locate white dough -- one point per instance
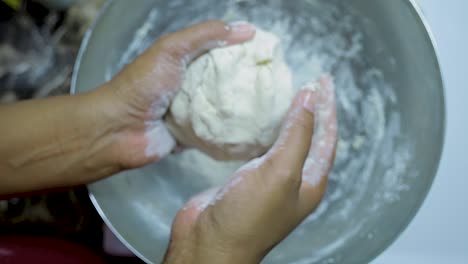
(233, 99)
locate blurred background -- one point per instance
(39, 41)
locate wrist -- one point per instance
(124, 126)
(196, 253)
(100, 118)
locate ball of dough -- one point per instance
(233, 99)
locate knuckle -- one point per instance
(269, 163)
(213, 26)
(289, 178)
(285, 176)
(300, 122)
(165, 42)
(304, 121)
(168, 46)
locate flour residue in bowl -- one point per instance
(325, 39)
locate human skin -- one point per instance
(72, 140)
(268, 197)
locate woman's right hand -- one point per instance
(269, 196)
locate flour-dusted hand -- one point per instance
(269, 196)
(86, 137)
(143, 91)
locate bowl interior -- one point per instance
(391, 119)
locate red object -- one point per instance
(20, 250)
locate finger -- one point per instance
(322, 151)
(287, 156)
(188, 215)
(192, 41)
(201, 201)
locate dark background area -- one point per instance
(38, 46)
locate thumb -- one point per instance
(292, 147)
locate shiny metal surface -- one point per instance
(139, 205)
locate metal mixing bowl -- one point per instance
(391, 116)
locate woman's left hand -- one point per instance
(86, 137)
(139, 96)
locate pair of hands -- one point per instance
(265, 199)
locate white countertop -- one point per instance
(439, 233)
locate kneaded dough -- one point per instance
(233, 99)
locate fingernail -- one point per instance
(241, 27)
(309, 102)
(311, 86)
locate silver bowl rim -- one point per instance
(415, 7)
